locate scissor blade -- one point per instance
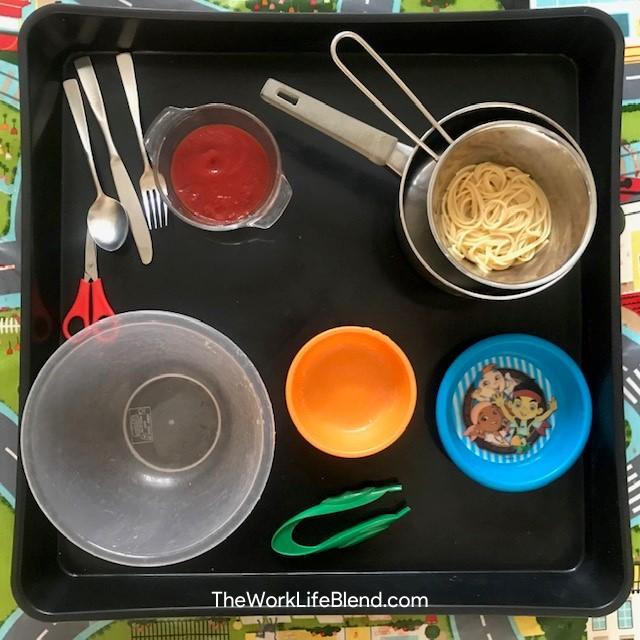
(90, 259)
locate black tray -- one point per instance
(334, 259)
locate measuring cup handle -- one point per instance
(372, 143)
(277, 206)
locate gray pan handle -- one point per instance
(379, 147)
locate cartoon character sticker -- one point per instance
(487, 423)
(493, 382)
(506, 411)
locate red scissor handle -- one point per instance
(89, 306)
(100, 307)
(79, 309)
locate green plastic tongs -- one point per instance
(283, 542)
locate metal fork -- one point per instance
(155, 209)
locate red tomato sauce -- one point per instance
(221, 173)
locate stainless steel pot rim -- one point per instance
(521, 293)
(591, 216)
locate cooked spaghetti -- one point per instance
(495, 216)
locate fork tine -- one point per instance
(152, 202)
(164, 204)
(164, 213)
(160, 207)
(147, 208)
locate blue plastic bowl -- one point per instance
(496, 417)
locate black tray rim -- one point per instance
(234, 16)
(515, 15)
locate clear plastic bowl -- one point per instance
(169, 129)
(147, 438)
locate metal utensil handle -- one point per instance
(124, 187)
(74, 98)
(378, 103)
(128, 77)
(90, 258)
(372, 143)
(89, 82)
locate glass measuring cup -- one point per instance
(173, 124)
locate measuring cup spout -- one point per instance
(378, 146)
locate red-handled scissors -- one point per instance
(91, 303)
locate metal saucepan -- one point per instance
(528, 140)
(559, 170)
(416, 166)
(564, 176)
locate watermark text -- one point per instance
(316, 600)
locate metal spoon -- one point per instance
(107, 221)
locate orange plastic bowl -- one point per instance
(351, 391)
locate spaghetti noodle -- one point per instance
(495, 216)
